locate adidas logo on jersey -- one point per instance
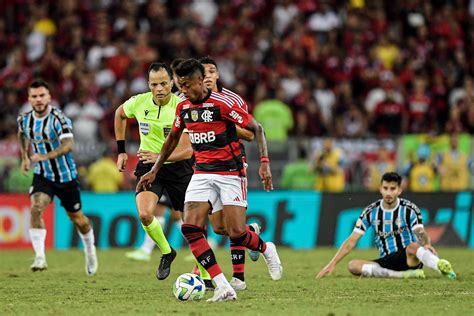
(236, 199)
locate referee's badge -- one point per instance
(144, 128)
(194, 115)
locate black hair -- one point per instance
(37, 83)
(157, 66)
(208, 61)
(189, 67)
(391, 177)
(176, 62)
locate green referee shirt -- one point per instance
(154, 121)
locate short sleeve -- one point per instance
(234, 113)
(178, 124)
(129, 107)
(20, 124)
(62, 125)
(363, 222)
(416, 220)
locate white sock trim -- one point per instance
(38, 238)
(427, 258)
(88, 239)
(221, 280)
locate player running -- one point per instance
(403, 244)
(210, 119)
(211, 81)
(49, 132)
(155, 111)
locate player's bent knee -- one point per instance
(36, 211)
(220, 230)
(146, 218)
(412, 248)
(354, 267)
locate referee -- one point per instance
(155, 112)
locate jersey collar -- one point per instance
(392, 209)
(208, 95)
(43, 117)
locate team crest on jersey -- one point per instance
(194, 115)
(144, 128)
(206, 116)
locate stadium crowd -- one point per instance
(307, 68)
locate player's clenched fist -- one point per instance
(122, 162)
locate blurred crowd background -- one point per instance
(345, 89)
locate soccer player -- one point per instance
(403, 244)
(155, 111)
(210, 119)
(211, 81)
(49, 132)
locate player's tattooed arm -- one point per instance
(422, 237)
(25, 160)
(264, 171)
(24, 145)
(67, 145)
(259, 132)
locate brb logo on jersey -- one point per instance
(236, 116)
(200, 138)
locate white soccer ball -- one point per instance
(189, 287)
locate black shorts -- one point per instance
(396, 261)
(165, 199)
(173, 177)
(67, 192)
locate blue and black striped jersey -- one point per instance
(45, 135)
(393, 228)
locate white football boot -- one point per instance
(223, 293)
(91, 261)
(39, 264)
(273, 261)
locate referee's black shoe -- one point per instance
(164, 268)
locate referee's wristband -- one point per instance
(264, 159)
(121, 147)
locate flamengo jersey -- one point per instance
(393, 228)
(236, 98)
(45, 135)
(211, 127)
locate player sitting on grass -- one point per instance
(403, 244)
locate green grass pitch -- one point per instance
(125, 287)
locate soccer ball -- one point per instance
(189, 287)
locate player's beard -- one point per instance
(40, 110)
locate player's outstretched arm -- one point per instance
(245, 134)
(264, 171)
(343, 251)
(120, 126)
(67, 145)
(170, 144)
(184, 150)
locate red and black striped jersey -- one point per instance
(211, 128)
(236, 98)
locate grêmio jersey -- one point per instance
(211, 126)
(45, 135)
(154, 121)
(394, 228)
